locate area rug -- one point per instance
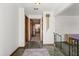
(36, 52)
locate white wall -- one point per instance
(48, 37)
(67, 24)
(21, 27)
(8, 28)
(35, 16)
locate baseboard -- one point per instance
(16, 50)
(48, 44)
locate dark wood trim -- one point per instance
(16, 50)
(26, 29)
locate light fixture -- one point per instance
(35, 8)
(37, 3)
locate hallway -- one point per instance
(45, 51)
(27, 29)
(35, 42)
(35, 48)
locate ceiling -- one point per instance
(54, 7)
(73, 10)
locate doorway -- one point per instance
(35, 29)
(35, 32)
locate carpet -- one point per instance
(36, 52)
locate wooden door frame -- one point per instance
(26, 30)
(29, 38)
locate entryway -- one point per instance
(35, 41)
(34, 45)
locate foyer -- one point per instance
(39, 29)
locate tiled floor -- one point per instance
(53, 51)
(37, 44)
(36, 52)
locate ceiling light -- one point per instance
(35, 8)
(37, 3)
